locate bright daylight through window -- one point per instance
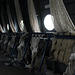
(48, 23)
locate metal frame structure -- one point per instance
(46, 36)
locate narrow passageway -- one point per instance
(10, 70)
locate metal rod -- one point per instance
(43, 56)
(25, 49)
(57, 35)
